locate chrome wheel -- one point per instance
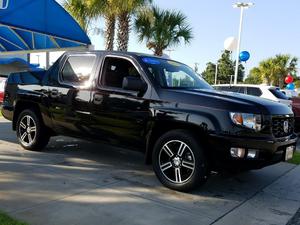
(27, 130)
(177, 161)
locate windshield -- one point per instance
(278, 94)
(171, 74)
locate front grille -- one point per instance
(278, 126)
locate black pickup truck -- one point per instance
(158, 106)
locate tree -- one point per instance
(209, 73)
(108, 9)
(225, 70)
(273, 71)
(126, 9)
(162, 29)
(254, 77)
(80, 11)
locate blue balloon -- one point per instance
(244, 56)
(291, 86)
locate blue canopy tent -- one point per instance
(28, 26)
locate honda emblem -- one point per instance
(286, 126)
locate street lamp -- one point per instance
(216, 73)
(242, 6)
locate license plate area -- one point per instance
(289, 153)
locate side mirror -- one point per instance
(131, 83)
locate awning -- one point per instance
(38, 25)
(10, 65)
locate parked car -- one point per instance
(158, 106)
(2, 85)
(289, 93)
(263, 91)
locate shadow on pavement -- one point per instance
(77, 182)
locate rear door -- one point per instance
(120, 116)
(69, 93)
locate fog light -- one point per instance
(252, 154)
(237, 152)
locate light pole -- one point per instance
(216, 74)
(242, 6)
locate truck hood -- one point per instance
(227, 101)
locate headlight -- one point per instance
(252, 121)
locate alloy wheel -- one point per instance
(177, 161)
(27, 130)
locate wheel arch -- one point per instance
(22, 105)
(161, 127)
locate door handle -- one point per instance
(98, 99)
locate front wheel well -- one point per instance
(160, 128)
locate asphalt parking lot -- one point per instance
(76, 182)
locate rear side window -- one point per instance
(254, 91)
(278, 94)
(231, 89)
(223, 88)
(78, 69)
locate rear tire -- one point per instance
(179, 161)
(31, 131)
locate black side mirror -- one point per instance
(131, 83)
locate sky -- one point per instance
(270, 27)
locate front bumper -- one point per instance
(270, 151)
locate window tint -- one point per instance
(254, 91)
(229, 89)
(223, 88)
(78, 69)
(278, 94)
(115, 70)
(242, 90)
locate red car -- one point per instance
(296, 110)
(2, 85)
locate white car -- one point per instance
(263, 91)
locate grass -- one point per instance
(6, 220)
(296, 159)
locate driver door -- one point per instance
(119, 116)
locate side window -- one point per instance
(223, 88)
(234, 89)
(78, 69)
(242, 90)
(115, 70)
(254, 91)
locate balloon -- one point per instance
(289, 79)
(244, 56)
(230, 44)
(291, 86)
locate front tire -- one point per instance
(179, 161)
(31, 132)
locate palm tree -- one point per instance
(162, 29)
(107, 9)
(274, 70)
(126, 9)
(80, 11)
